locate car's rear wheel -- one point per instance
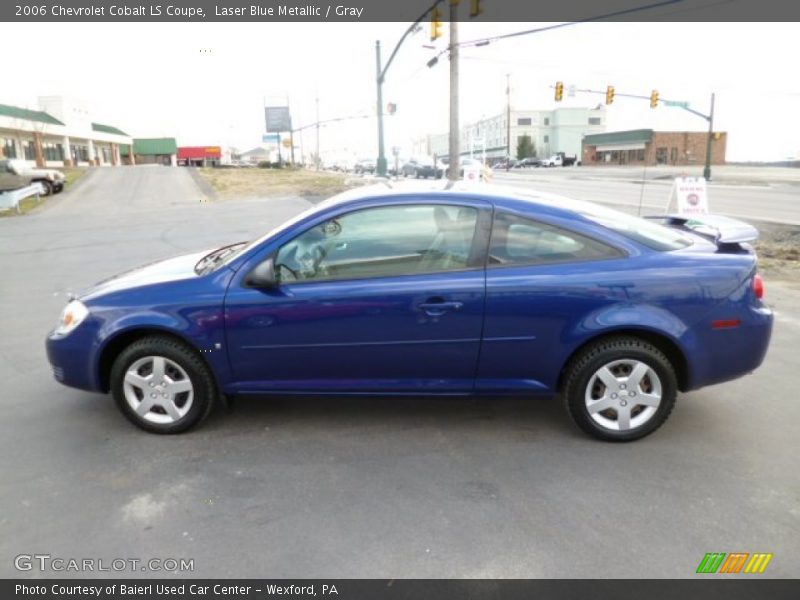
(162, 385)
(620, 389)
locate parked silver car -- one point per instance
(15, 174)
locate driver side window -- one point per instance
(381, 242)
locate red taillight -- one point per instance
(758, 286)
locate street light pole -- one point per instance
(380, 167)
(707, 169)
(381, 164)
(454, 150)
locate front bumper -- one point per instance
(71, 358)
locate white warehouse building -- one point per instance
(551, 131)
(60, 133)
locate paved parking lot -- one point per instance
(368, 487)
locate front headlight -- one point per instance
(73, 315)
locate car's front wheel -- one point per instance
(162, 385)
(48, 187)
(620, 389)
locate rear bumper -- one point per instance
(727, 353)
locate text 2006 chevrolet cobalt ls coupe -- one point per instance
(440, 291)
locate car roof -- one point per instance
(497, 194)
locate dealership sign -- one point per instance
(278, 119)
(691, 196)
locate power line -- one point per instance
(488, 40)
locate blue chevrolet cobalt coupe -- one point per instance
(431, 290)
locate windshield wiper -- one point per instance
(210, 260)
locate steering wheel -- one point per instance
(319, 255)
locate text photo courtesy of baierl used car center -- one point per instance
(433, 299)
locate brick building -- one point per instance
(648, 147)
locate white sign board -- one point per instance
(278, 119)
(691, 195)
(472, 172)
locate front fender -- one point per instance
(201, 329)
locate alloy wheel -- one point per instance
(623, 395)
(158, 390)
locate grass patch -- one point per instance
(71, 175)
(270, 183)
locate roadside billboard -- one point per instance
(278, 119)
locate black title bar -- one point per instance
(398, 10)
(711, 588)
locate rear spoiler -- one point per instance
(717, 228)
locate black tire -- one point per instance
(48, 187)
(583, 367)
(204, 390)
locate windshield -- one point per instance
(640, 230)
(241, 247)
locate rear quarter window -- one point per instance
(521, 241)
(648, 233)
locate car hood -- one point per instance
(50, 173)
(172, 269)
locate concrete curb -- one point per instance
(205, 187)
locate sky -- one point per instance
(206, 83)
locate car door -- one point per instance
(378, 299)
(9, 178)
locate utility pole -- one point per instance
(454, 150)
(381, 164)
(317, 159)
(707, 169)
(508, 121)
(291, 131)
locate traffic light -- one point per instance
(436, 24)
(654, 99)
(610, 94)
(391, 108)
(559, 91)
(475, 8)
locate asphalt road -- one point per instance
(365, 487)
(626, 188)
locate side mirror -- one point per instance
(263, 276)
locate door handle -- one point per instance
(439, 308)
